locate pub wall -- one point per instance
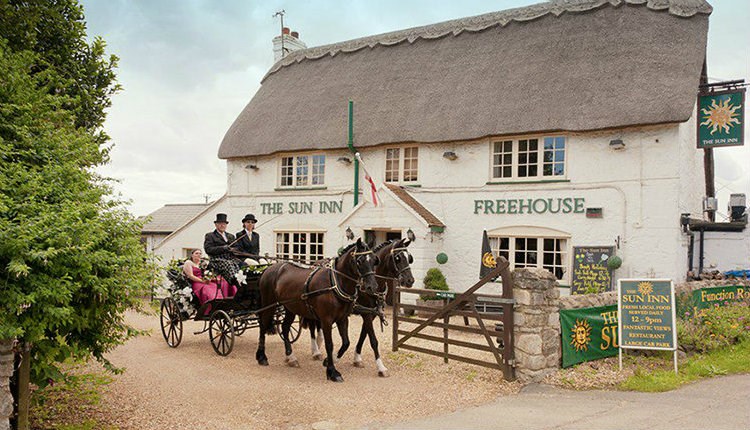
(641, 190)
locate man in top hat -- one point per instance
(217, 242)
(248, 241)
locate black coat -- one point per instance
(248, 245)
(216, 246)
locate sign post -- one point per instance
(647, 315)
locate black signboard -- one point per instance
(590, 271)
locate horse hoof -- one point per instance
(359, 364)
(317, 357)
(263, 362)
(383, 374)
(292, 363)
(336, 379)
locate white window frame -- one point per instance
(539, 235)
(293, 238)
(303, 181)
(401, 169)
(540, 163)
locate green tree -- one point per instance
(71, 262)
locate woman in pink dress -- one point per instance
(203, 288)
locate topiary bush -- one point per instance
(434, 280)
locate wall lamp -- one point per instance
(344, 160)
(450, 155)
(252, 167)
(617, 144)
(349, 233)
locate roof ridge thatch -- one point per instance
(680, 8)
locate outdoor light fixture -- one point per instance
(450, 155)
(344, 160)
(252, 166)
(410, 235)
(617, 144)
(349, 233)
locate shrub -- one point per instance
(434, 280)
(715, 327)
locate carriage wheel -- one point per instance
(294, 329)
(171, 323)
(221, 333)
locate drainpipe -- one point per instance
(350, 144)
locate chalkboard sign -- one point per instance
(590, 271)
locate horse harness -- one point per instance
(334, 288)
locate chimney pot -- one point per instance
(295, 35)
(285, 30)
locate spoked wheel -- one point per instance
(171, 324)
(294, 329)
(221, 333)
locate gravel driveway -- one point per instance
(192, 387)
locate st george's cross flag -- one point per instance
(370, 191)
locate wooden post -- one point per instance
(446, 320)
(24, 381)
(396, 309)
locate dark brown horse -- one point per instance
(393, 269)
(324, 294)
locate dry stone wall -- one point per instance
(536, 324)
(537, 344)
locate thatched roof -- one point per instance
(571, 65)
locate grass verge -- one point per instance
(730, 360)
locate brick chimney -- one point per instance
(291, 43)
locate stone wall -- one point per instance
(536, 324)
(537, 346)
(6, 371)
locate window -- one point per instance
(303, 170)
(543, 252)
(300, 245)
(529, 158)
(402, 164)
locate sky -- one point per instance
(189, 67)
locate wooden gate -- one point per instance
(497, 311)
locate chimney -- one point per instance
(291, 44)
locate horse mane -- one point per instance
(383, 245)
(347, 248)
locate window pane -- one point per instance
(391, 164)
(301, 177)
(411, 160)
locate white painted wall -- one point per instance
(642, 190)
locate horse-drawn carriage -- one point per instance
(223, 318)
(323, 294)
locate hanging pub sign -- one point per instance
(721, 118)
(590, 271)
(646, 313)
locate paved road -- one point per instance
(717, 403)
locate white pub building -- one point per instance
(552, 126)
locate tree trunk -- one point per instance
(24, 392)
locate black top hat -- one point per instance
(221, 218)
(249, 217)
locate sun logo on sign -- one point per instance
(721, 116)
(488, 260)
(581, 335)
(645, 288)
